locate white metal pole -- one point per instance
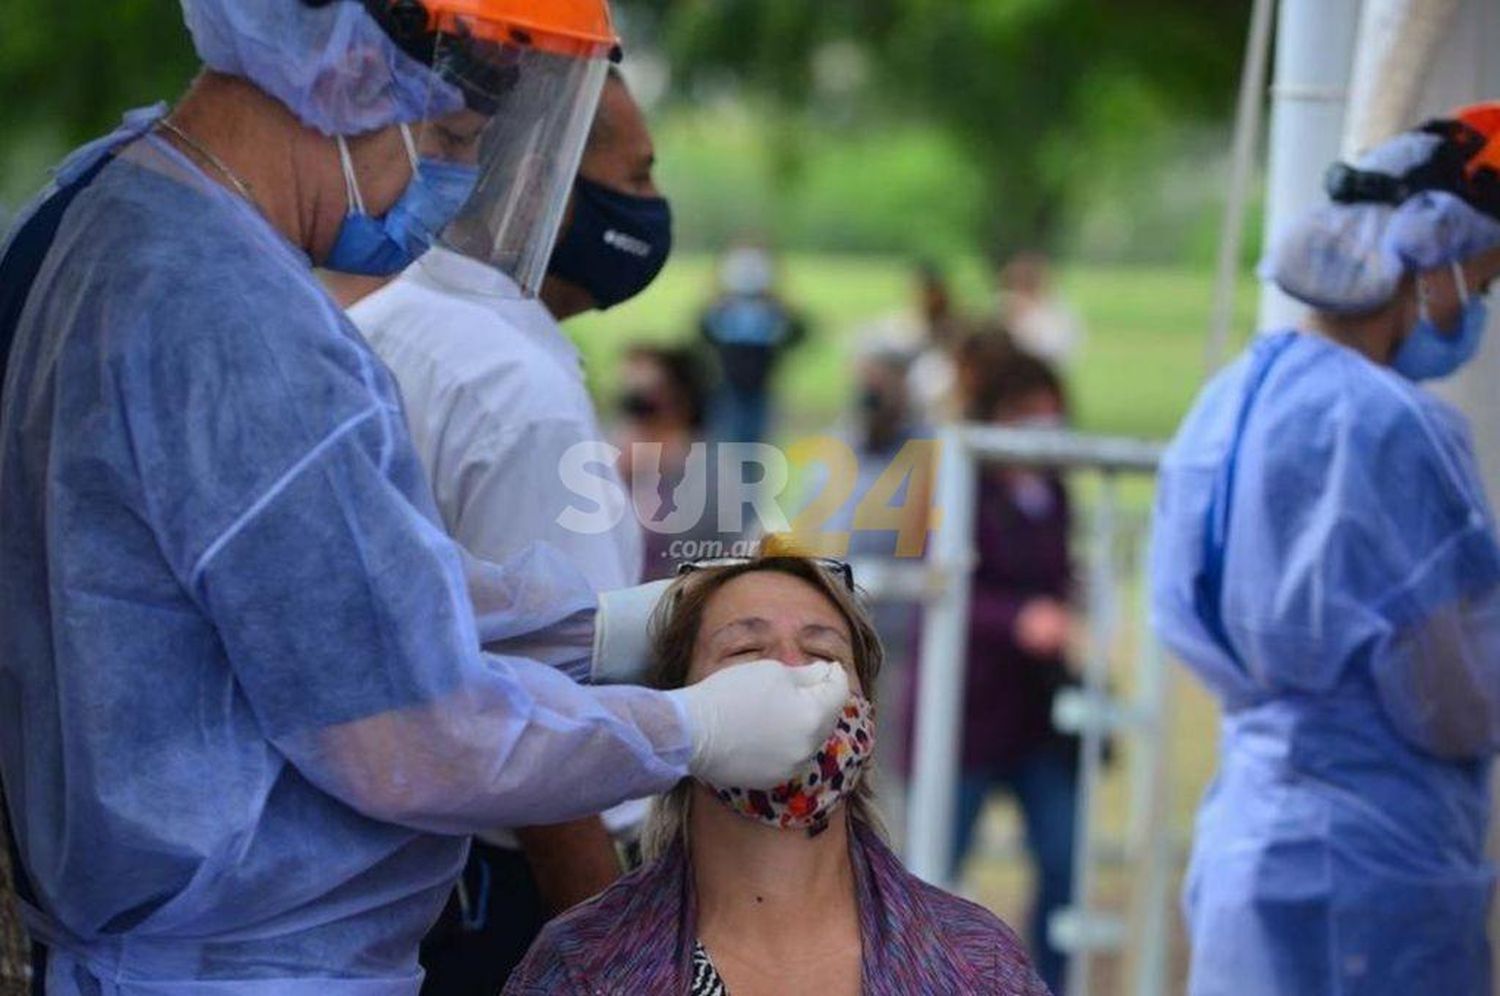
(1153, 836)
(1101, 605)
(1246, 131)
(1314, 54)
(942, 667)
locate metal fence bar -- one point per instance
(1152, 837)
(940, 678)
(1092, 712)
(1087, 930)
(1060, 448)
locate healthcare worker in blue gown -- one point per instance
(1324, 559)
(245, 719)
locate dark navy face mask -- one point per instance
(616, 244)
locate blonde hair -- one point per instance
(674, 634)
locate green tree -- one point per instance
(72, 66)
(1044, 95)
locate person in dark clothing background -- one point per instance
(662, 416)
(747, 327)
(1020, 628)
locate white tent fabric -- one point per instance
(1392, 62)
(1416, 59)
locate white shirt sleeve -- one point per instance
(513, 486)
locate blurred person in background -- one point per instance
(1021, 625)
(1039, 319)
(931, 377)
(983, 344)
(747, 328)
(788, 891)
(938, 313)
(666, 460)
(883, 424)
(494, 397)
(1325, 560)
(879, 430)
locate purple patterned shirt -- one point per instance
(638, 936)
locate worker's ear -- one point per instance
(1483, 270)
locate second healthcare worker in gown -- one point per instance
(1325, 560)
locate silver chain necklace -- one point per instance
(242, 186)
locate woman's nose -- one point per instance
(794, 657)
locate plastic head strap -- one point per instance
(1347, 185)
(1461, 162)
(356, 202)
(480, 68)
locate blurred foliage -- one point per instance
(921, 126)
(852, 193)
(907, 188)
(1042, 95)
(72, 66)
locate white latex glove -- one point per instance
(622, 649)
(754, 724)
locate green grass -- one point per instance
(1137, 375)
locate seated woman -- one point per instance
(790, 890)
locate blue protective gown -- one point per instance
(1324, 559)
(244, 713)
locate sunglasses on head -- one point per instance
(838, 568)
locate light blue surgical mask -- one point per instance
(433, 198)
(1428, 353)
(381, 246)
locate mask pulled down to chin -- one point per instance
(807, 799)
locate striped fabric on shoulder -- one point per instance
(706, 978)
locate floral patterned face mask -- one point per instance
(805, 801)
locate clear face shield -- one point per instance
(528, 111)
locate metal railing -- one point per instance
(942, 585)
